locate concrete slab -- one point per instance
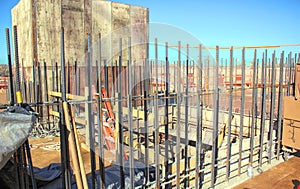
(284, 175)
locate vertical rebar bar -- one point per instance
(33, 181)
(135, 86)
(114, 75)
(53, 78)
(269, 78)
(99, 119)
(166, 118)
(215, 122)
(120, 151)
(272, 109)
(225, 70)
(146, 85)
(20, 167)
(77, 81)
(130, 122)
(174, 77)
(138, 120)
(46, 92)
(63, 131)
(11, 85)
(19, 102)
(178, 127)
(33, 82)
(141, 83)
(24, 81)
(90, 113)
(207, 87)
(198, 182)
(242, 112)
(56, 84)
(229, 116)
(263, 106)
(253, 119)
(20, 150)
(25, 166)
(68, 72)
(156, 121)
(293, 63)
(38, 88)
(30, 91)
(186, 118)
(280, 103)
(106, 77)
(17, 65)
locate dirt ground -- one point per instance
(3, 96)
(45, 151)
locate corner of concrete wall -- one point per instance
(21, 17)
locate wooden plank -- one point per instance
(77, 120)
(290, 106)
(136, 113)
(69, 96)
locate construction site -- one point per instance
(96, 99)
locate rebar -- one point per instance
(229, 117)
(156, 123)
(17, 64)
(100, 119)
(63, 132)
(215, 122)
(186, 118)
(270, 143)
(199, 162)
(199, 106)
(146, 129)
(120, 151)
(280, 105)
(253, 117)
(11, 85)
(242, 112)
(166, 113)
(130, 121)
(178, 126)
(263, 106)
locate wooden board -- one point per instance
(47, 150)
(291, 122)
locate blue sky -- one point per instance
(213, 22)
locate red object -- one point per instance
(109, 126)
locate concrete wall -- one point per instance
(73, 19)
(48, 28)
(22, 17)
(115, 21)
(79, 18)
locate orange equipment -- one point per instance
(109, 126)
